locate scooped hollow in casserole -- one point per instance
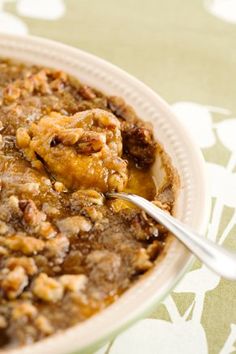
(65, 251)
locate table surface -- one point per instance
(185, 50)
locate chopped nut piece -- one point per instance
(87, 197)
(22, 138)
(32, 215)
(32, 188)
(27, 263)
(43, 324)
(46, 181)
(121, 109)
(74, 224)
(142, 261)
(47, 289)
(139, 144)
(46, 230)
(40, 82)
(51, 211)
(13, 203)
(116, 182)
(11, 93)
(70, 136)
(25, 244)
(14, 282)
(3, 228)
(59, 187)
(24, 309)
(86, 92)
(73, 282)
(93, 213)
(57, 247)
(91, 142)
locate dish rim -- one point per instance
(39, 50)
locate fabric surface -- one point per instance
(185, 50)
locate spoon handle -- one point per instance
(217, 258)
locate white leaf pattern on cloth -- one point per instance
(198, 120)
(196, 117)
(224, 9)
(12, 24)
(199, 280)
(152, 336)
(42, 9)
(225, 191)
(226, 131)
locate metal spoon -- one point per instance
(217, 258)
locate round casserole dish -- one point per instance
(192, 206)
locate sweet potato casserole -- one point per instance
(66, 251)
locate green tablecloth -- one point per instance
(186, 51)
